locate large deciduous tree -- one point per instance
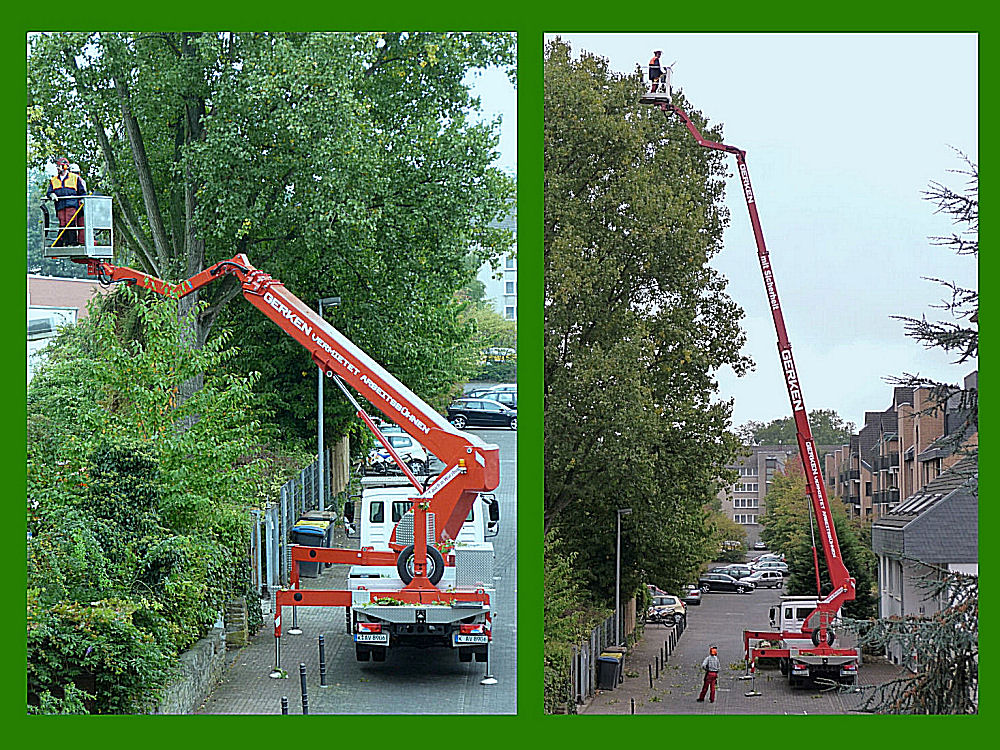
(636, 324)
(344, 164)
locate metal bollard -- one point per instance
(657, 657)
(276, 672)
(633, 705)
(322, 662)
(663, 656)
(305, 694)
(284, 705)
(651, 675)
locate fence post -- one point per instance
(255, 543)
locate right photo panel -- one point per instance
(733, 524)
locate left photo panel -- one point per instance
(271, 373)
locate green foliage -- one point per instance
(343, 164)
(786, 530)
(97, 648)
(568, 616)
(828, 428)
(636, 324)
(138, 501)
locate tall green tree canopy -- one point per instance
(636, 324)
(344, 164)
(828, 428)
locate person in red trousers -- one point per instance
(711, 667)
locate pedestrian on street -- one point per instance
(711, 667)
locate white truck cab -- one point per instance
(384, 504)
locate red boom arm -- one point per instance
(473, 466)
(843, 583)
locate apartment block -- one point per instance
(746, 500)
(900, 450)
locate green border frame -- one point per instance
(530, 22)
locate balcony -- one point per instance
(890, 495)
(887, 462)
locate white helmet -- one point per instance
(74, 168)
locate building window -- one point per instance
(746, 487)
(745, 518)
(508, 287)
(509, 263)
(508, 312)
(746, 502)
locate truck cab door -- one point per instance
(493, 518)
(773, 616)
(350, 530)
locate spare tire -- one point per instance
(435, 564)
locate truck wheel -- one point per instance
(465, 655)
(460, 422)
(481, 654)
(378, 653)
(830, 637)
(783, 667)
(363, 653)
(435, 564)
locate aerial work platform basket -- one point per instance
(656, 91)
(95, 229)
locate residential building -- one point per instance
(52, 303)
(931, 533)
(899, 450)
(501, 285)
(746, 501)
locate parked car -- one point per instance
(723, 582)
(416, 458)
(692, 594)
(771, 565)
(507, 398)
(736, 571)
(768, 556)
(481, 412)
(759, 545)
(766, 579)
(666, 608)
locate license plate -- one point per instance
(382, 638)
(460, 639)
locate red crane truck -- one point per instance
(803, 640)
(419, 612)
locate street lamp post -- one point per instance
(329, 302)
(618, 575)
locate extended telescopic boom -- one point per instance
(843, 583)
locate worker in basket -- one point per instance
(65, 187)
(655, 71)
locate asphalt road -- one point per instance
(719, 620)
(410, 681)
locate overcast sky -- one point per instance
(498, 98)
(842, 133)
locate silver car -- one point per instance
(765, 579)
